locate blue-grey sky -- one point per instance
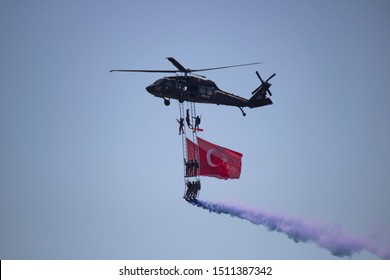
(91, 164)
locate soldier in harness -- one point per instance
(181, 126)
(188, 119)
(197, 122)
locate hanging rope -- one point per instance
(191, 166)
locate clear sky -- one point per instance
(91, 164)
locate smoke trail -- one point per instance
(337, 243)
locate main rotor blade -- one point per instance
(223, 67)
(273, 75)
(147, 71)
(184, 70)
(178, 65)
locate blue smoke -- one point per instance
(336, 242)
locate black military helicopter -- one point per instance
(196, 88)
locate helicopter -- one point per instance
(197, 88)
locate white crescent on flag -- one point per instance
(208, 157)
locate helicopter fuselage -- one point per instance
(197, 89)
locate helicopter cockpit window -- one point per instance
(205, 90)
(159, 82)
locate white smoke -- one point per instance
(336, 242)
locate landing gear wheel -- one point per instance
(242, 111)
(167, 102)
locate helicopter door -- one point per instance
(193, 90)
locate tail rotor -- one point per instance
(264, 84)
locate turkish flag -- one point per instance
(215, 161)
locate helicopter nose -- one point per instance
(150, 88)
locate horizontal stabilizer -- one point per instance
(254, 103)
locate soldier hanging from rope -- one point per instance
(191, 165)
(196, 189)
(189, 191)
(197, 122)
(188, 167)
(188, 120)
(181, 125)
(195, 167)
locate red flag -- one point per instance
(214, 160)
